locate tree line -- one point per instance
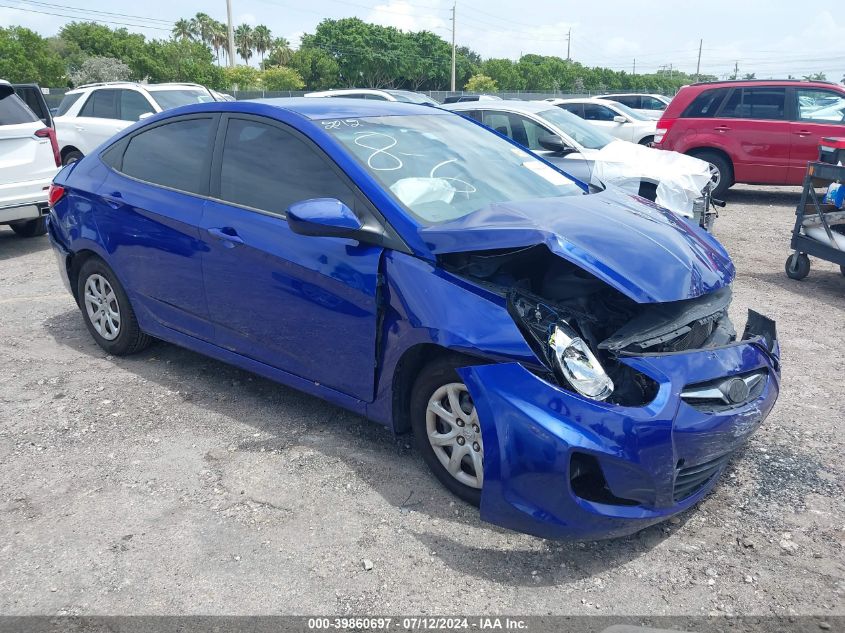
(339, 53)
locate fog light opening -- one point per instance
(588, 482)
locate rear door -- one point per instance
(819, 112)
(752, 123)
(99, 119)
(149, 208)
(23, 155)
(602, 116)
(306, 305)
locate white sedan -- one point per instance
(612, 117)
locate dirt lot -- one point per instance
(171, 483)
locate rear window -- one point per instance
(14, 111)
(67, 102)
(755, 103)
(705, 105)
(171, 155)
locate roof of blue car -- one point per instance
(339, 108)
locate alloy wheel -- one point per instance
(715, 176)
(454, 433)
(101, 307)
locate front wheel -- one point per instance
(797, 267)
(447, 430)
(107, 312)
(721, 172)
(31, 228)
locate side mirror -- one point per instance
(554, 143)
(145, 115)
(620, 119)
(323, 217)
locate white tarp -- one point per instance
(680, 178)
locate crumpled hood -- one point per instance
(644, 251)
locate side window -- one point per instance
(133, 104)
(375, 97)
(267, 168)
(473, 114)
(498, 121)
(68, 101)
(705, 105)
(171, 155)
(575, 108)
(756, 103)
(632, 101)
(820, 106)
(14, 111)
(101, 104)
(650, 103)
(598, 112)
(526, 132)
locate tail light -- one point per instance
(56, 193)
(50, 133)
(663, 127)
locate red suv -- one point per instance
(756, 132)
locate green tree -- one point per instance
(202, 26)
(219, 39)
(816, 77)
(178, 60)
(481, 83)
(748, 76)
(282, 78)
(280, 54)
(183, 30)
(242, 77)
(81, 40)
(504, 72)
(25, 56)
(317, 68)
(262, 40)
(243, 41)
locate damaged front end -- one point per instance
(633, 409)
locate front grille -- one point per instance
(690, 479)
(726, 393)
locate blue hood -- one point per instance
(644, 251)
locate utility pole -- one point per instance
(635, 67)
(736, 69)
(698, 64)
(569, 45)
(454, 4)
(231, 33)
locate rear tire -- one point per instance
(797, 270)
(31, 228)
(72, 157)
(723, 173)
(106, 310)
(648, 140)
(439, 384)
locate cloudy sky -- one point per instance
(766, 37)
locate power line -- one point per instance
(84, 18)
(80, 9)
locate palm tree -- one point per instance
(219, 38)
(262, 39)
(183, 30)
(280, 52)
(243, 41)
(202, 25)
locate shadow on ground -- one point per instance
(385, 463)
(11, 245)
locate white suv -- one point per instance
(91, 114)
(29, 158)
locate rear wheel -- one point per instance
(107, 312)
(31, 228)
(797, 267)
(72, 157)
(721, 172)
(648, 140)
(446, 428)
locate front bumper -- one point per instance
(531, 430)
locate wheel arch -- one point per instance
(74, 265)
(67, 149)
(700, 149)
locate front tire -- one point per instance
(721, 172)
(31, 228)
(446, 428)
(106, 310)
(797, 269)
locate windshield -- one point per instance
(586, 135)
(632, 114)
(185, 96)
(443, 167)
(406, 96)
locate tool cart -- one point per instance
(820, 219)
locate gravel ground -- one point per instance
(171, 483)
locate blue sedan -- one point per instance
(562, 354)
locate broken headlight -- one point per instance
(578, 365)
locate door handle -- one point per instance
(79, 128)
(722, 128)
(803, 133)
(229, 236)
(114, 200)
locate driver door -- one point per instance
(303, 304)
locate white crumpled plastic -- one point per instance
(680, 179)
(412, 191)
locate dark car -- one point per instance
(755, 132)
(33, 97)
(563, 356)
